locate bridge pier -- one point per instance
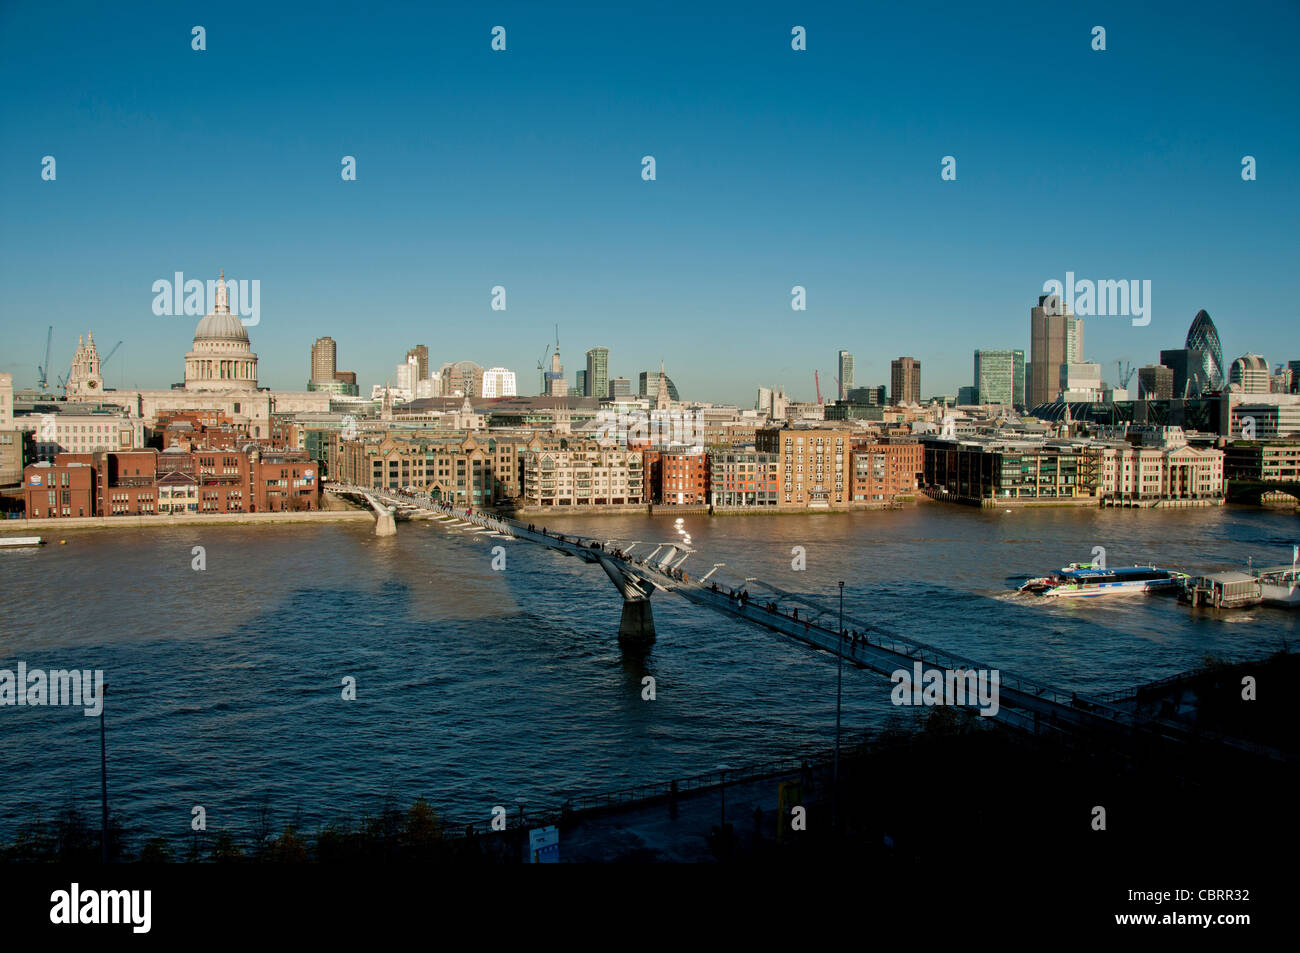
(637, 627)
(385, 522)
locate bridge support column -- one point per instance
(637, 627)
(385, 524)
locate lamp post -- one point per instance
(839, 686)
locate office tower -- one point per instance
(597, 384)
(324, 356)
(556, 385)
(499, 382)
(1249, 373)
(905, 381)
(406, 376)
(619, 387)
(764, 401)
(580, 383)
(846, 374)
(1155, 382)
(999, 377)
(1188, 366)
(649, 385)
(1203, 336)
(421, 355)
(1080, 382)
(874, 396)
(1055, 338)
(967, 395)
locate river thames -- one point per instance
(477, 687)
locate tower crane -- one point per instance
(43, 370)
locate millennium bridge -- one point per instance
(1023, 703)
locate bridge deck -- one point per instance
(1023, 702)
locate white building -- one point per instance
(1081, 382)
(499, 382)
(82, 431)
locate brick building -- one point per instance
(814, 465)
(884, 469)
(681, 477)
(744, 478)
(171, 482)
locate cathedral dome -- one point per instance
(221, 326)
(222, 357)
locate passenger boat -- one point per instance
(1088, 580)
(21, 541)
(1279, 585)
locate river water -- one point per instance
(477, 687)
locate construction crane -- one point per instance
(110, 354)
(817, 384)
(1125, 373)
(42, 370)
(541, 367)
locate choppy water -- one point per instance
(477, 688)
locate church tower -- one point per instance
(85, 379)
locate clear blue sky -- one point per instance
(775, 168)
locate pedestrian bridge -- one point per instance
(1023, 702)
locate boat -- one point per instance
(21, 541)
(1279, 585)
(1087, 580)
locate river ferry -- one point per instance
(1086, 581)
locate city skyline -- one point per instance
(783, 173)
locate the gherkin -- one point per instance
(1203, 336)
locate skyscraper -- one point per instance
(421, 355)
(649, 385)
(1055, 338)
(324, 361)
(555, 384)
(580, 383)
(1250, 373)
(1000, 377)
(905, 381)
(1188, 366)
(846, 373)
(1155, 382)
(1203, 336)
(597, 373)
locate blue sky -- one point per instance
(775, 168)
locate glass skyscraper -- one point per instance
(1000, 377)
(1203, 336)
(597, 384)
